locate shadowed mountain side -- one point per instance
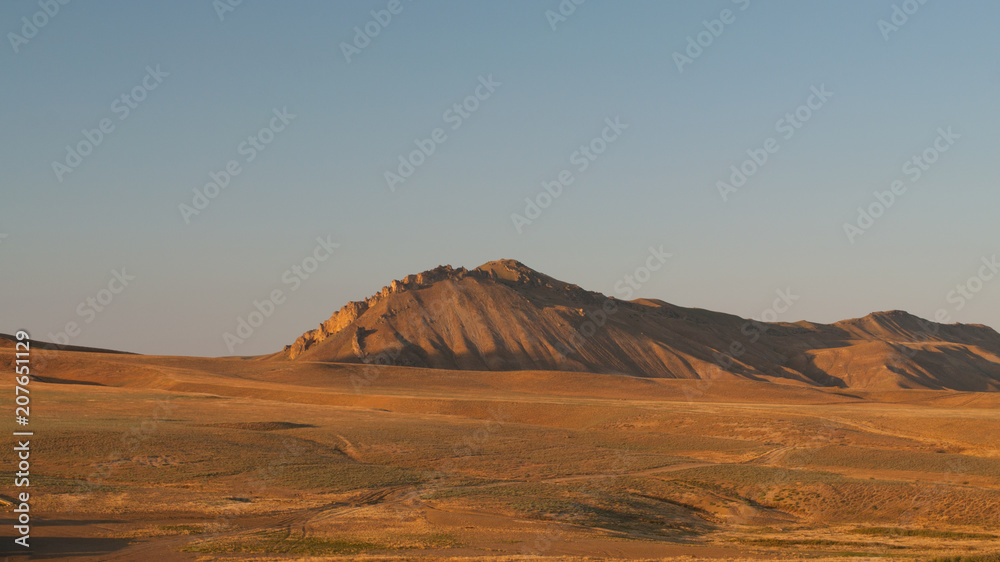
(504, 316)
(900, 326)
(9, 341)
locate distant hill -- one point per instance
(505, 316)
(9, 341)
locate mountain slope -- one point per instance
(505, 316)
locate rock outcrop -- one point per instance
(504, 315)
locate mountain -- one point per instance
(505, 316)
(9, 341)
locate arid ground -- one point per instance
(168, 458)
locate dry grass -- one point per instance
(433, 465)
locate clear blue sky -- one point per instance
(323, 174)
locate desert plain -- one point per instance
(174, 458)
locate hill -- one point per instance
(505, 316)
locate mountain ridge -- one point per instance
(504, 316)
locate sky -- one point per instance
(167, 169)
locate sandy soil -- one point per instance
(169, 458)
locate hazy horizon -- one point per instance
(624, 81)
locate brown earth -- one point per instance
(501, 414)
(174, 458)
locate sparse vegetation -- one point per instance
(432, 469)
(897, 532)
(277, 542)
(973, 558)
(183, 529)
(812, 542)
